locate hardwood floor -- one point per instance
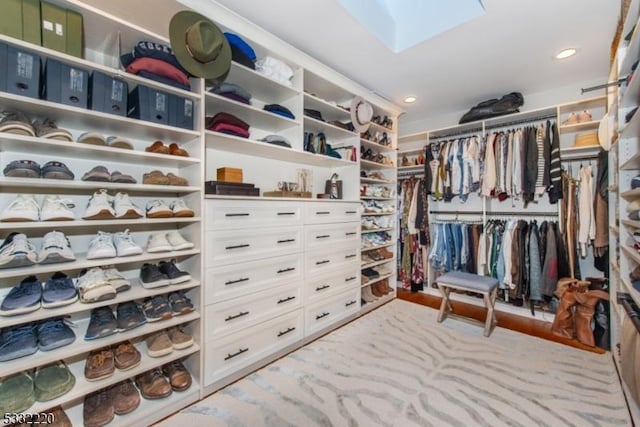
(536, 328)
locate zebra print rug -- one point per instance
(398, 367)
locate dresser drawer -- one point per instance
(319, 236)
(333, 282)
(330, 212)
(229, 316)
(224, 356)
(321, 314)
(235, 246)
(240, 214)
(329, 259)
(236, 280)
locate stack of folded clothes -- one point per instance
(232, 91)
(156, 62)
(275, 69)
(276, 140)
(241, 52)
(279, 110)
(229, 124)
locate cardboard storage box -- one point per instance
(107, 94)
(66, 84)
(229, 174)
(11, 18)
(19, 71)
(31, 22)
(149, 104)
(181, 112)
(54, 23)
(74, 43)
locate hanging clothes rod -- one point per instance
(523, 121)
(632, 310)
(527, 214)
(446, 136)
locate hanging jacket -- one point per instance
(530, 166)
(550, 266)
(535, 269)
(546, 179)
(555, 167)
(490, 174)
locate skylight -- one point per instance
(400, 24)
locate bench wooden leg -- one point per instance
(445, 306)
(489, 302)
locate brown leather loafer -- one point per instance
(153, 385)
(99, 365)
(125, 397)
(98, 408)
(157, 147)
(155, 178)
(177, 180)
(126, 356)
(175, 150)
(178, 375)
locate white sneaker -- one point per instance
(17, 251)
(158, 243)
(115, 278)
(99, 206)
(54, 208)
(23, 208)
(55, 248)
(178, 243)
(93, 286)
(125, 246)
(158, 209)
(180, 209)
(124, 207)
(101, 246)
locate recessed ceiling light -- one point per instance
(566, 53)
(410, 99)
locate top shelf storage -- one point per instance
(260, 86)
(329, 111)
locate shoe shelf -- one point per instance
(377, 263)
(632, 52)
(36, 184)
(382, 128)
(149, 411)
(81, 346)
(631, 194)
(376, 198)
(375, 165)
(81, 262)
(137, 292)
(631, 290)
(132, 79)
(370, 306)
(631, 94)
(331, 132)
(375, 230)
(375, 146)
(83, 387)
(412, 151)
(96, 121)
(259, 85)
(235, 144)
(375, 181)
(630, 223)
(631, 129)
(44, 146)
(257, 117)
(631, 253)
(570, 153)
(329, 111)
(58, 225)
(378, 213)
(279, 199)
(410, 168)
(632, 164)
(373, 248)
(376, 280)
(577, 127)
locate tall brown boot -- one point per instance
(584, 314)
(375, 290)
(563, 322)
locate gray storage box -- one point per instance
(149, 104)
(66, 84)
(20, 72)
(107, 94)
(181, 112)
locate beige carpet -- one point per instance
(398, 367)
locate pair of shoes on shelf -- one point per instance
(102, 174)
(25, 207)
(18, 251)
(156, 177)
(24, 340)
(583, 117)
(31, 169)
(173, 149)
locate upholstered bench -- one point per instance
(487, 286)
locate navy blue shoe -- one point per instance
(18, 341)
(130, 316)
(101, 324)
(54, 333)
(23, 298)
(59, 290)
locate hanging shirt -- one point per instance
(516, 167)
(489, 181)
(509, 173)
(540, 136)
(587, 225)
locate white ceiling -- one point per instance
(509, 48)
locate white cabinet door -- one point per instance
(330, 259)
(320, 286)
(331, 212)
(324, 313)
(319, 236)
(241, 214)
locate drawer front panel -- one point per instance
(232, 315)
(240, 214)
(319, 236)
(227, 355)
(331, 212)
(236, 280)
(328, 260)
(334, 282)
(322, 314)
(236, 246)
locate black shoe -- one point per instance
(129, 316)
(370, 273)
(152, 277)
(174, 274)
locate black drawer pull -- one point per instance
(323, 213)
(238, 353)
(231, 282)
(324, 236)
(350, 212)
(289, 330)
(320, 316)
(286, 241)
(350, 256)
(237, 246)
(323, 262)
(286, 213)
(350, 303)
(286, 270)
(351, 233)
(237, 214)
(236, 316)
(287, 299)
(322, 288)
(348, 279)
